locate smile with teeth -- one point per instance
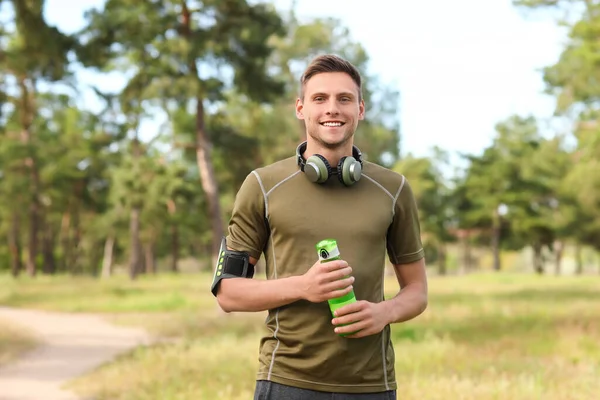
(332, 124)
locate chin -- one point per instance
(333, 141)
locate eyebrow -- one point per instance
(349, 94)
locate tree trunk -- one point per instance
(136, 263)
(538, 262)
(559, 248)
(49, 266)
(172, 208)
(65, 229)
(108, 256)
(94, 257)
(74, 261)
(467, 259)
(442, 266)
(14, 246)
(26, 119)
(150, 264)
(203, 151)
(209, 182)
(578, 259)
(70, 232)
(135, 246)
(496, 241)
(174, 248)
(33, 238)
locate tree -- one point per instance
(434, 201)
(500, 197)
(34, 52)
(182, 50)
(575, 82)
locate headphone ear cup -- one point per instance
(317, 168)
(340, 169)
(349, 171)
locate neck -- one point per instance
(333, 155)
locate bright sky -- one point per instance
(461, 66)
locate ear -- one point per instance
(361, 110)
(299, 108)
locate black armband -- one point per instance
(231, 264)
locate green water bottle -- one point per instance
(328, 251)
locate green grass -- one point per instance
(15, 340)
(117, 295)
(487, 336)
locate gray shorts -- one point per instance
(266, 390)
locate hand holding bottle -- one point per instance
(326, 281)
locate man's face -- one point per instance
(331, 108)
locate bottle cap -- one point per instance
(327, 249)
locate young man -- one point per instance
(282, 211)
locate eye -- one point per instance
(319, 98)
(345, 99)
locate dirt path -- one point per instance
(71, 345)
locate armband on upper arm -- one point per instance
(231, 264)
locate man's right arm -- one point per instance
(320, 283)
(242, 294)
(248, 230)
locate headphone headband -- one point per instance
(356, 153)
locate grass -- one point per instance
(487, 336)
(118, 295)
(15, 340)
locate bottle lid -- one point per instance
(327, 249)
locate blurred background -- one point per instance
(126, 128)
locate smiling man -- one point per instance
(326, 190)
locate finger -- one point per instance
(350, 308)
(339, 292)
(351, 329)
(340, 284)
(340, 273)
(349, 318)
(334, 265)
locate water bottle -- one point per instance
(328, 251)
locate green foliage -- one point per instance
(510, 184)
(221, 78)
(37, 49)
(574, 80)
(433, 195)
(176, 48)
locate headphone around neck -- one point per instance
(318, 170)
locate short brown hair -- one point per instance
(330, 63)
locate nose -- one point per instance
(332, 108)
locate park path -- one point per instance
(70, 345)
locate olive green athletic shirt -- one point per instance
(374, 217)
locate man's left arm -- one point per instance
(411, 300)
(366, 318)
(405, 251)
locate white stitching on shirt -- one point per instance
(266, 196)
(262, 188)
(394, 200)
(282, 181)
(379, 184)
